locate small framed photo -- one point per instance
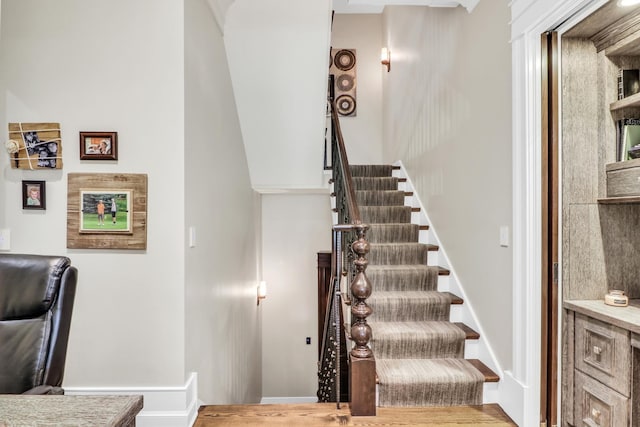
(98, 145)
(34, 195)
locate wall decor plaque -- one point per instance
(106, 211)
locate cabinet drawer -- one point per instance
(598, 405)
(623, 178)
(603, 351)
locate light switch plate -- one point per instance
(192, 237)
(504, 236)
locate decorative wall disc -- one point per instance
(346, 105)
(345, 82)
(344, 59)
(343, 69)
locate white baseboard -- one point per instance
(163, 406)
(512, 396)
(303, 399)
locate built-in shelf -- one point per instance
(629, 101)
(624, 317)
(619, 200)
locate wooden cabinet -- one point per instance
(598, 405)
(623, 179)
(605, 371)
(602, 373)
(603, 352)
(600, 220)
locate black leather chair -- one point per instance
(36, 301)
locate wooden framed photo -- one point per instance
(34, 195)
(106, 211)
(98, 145)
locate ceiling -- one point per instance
(376, 6)
(220, 7)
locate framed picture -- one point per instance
(34, 195)
(98, 145)
(105, 211)
(35, 146)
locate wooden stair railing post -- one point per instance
(362, 372)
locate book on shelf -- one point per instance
(628, 82)
(628, 146)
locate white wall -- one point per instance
(447, 115)
(363, 133)
(117, 65)
(278, 54)
(295, 228)
(223, 334)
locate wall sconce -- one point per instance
(385, 58)
(262, 291)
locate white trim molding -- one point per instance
(163, 406)
(468, 4)
(530, 18)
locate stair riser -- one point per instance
(415, 311)
(398, 254)
(380, 198)
(371, 170)
(375, 184)
(399, 347)
(385, 214)
(393, 233)
(385, 280)
(431, 395)
(433, 382)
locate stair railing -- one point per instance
(349, 252)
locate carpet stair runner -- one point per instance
(419, 352)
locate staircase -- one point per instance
(419, 352)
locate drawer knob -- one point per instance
(596, 415)
(597, 351)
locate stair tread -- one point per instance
(470, 333)
(413, 295)
(391, 306)
(421, 328)
(398, 224)
(399, 267)
(489, 375)
(417, 295)
(430, 246)
(455, 299)
(428, 382)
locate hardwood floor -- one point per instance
(326, 414)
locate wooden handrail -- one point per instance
(348, 180)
